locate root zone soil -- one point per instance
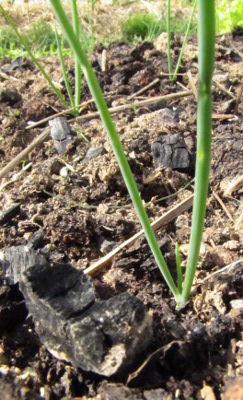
(195, 353)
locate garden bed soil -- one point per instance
(196, 352)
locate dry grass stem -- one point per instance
(158, 223)
(234, 185)
(12, 164)
(223, 206)
(144, 89)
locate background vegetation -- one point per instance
(129, 21)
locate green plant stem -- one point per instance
(64, 73)
(206, 42)
(116, 144)
(168, 41)
(77, 66)
(178, 268)
(22, 41)
(185, 40)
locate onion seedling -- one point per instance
(74, 101)
(206, 60)
(173, 75)
(116, 144)
(77, 66)
(34, 59)
(206, 45)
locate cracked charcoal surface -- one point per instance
(9, 213)
(119, 329)
(93, 152)
(170, 151)
(17, 259)
(14, 64)
(102, 337)
(61, 133)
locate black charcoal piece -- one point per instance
(110, 335)
(102, 337)
(62, 291)
(170, 151)
(14, 64)
(53, 295)
(10, 96)
(230, 53)
(17, 259)
(9, 213)
(61, 133)
(35, 239)
(93, 152)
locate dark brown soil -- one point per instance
(196, 353)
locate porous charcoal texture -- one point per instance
(170, 151)
(93, 152)
(18, 259)
(111, 334)
(61, 133)
(102, 337)
(9, 213)
(53, 295)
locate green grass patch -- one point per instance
(40, 38)
(9, 43)
(144, 26)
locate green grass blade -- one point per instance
(185, 40)
(178, 268)
(77, 66)
(168, 40)
(206, 41)
(64, 73)
(22, 41)
(116, 144)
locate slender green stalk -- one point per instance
(64, 73)
(168, 41)
(77, 66)
(178, 268)
(185, 40)
(23, 42)
(206, 41)
(116, 144)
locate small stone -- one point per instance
(237, 304)
(106, 246)
(232, 245)
(228, 106)
(93, 152)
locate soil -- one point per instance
(196, 352)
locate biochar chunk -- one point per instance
(9, 213)
(16, 260)
(61, 134)
(170, 151)
(99, 336)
